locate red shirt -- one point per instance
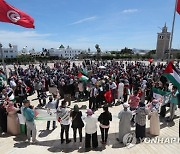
(134, 101)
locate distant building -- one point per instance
(11, 52)
(163, 39)
(68, 52)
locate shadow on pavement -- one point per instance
(44, 133)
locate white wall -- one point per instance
(10, 52)
(66, 53)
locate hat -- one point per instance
(89, 112)
(125, 105)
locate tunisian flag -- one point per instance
(178, 6)
(12, 15)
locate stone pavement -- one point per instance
(49, 141)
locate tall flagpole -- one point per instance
(2, 58)
(172, 32)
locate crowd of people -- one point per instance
(116, 83)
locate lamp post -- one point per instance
(2, 57)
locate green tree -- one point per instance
(61, 46)
(98, 49)
(127, 51)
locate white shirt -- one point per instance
(93, 80)
(51, 105)
(64, 114)
(113, 85)
(121, 87)
(91, 124)
(12, 83)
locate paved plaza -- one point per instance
(49, 141)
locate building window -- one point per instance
(11, 56)
(161, 37)
(5, 51)
(11, 51)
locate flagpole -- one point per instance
(172, 32)
(3, 63)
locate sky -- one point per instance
(113, 24)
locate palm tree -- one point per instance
(98, 51)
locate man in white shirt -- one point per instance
(113, 87)
(51, 105)
(120, 91)
(92, 100)
(12, 83)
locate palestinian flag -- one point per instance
(45, 114)
(158, 93)
(172, 74)
(82, 77)
(2, 75)
(84, 71)
(22, 123)
(11, 96)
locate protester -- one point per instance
(30, 124)
(116, 80)
(63, 115)
(3, 117)
(51, 105)
(91, 130)
(120, 91)
(104, 120)
(140, 120)
(113, 86)
(77, 122)
(13, 126)
(124, 122)
(154, 118)
(134, 103)
(173, 102)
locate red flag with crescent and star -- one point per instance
(12, 15)
(178, 7)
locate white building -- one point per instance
(65, 52)
(11, 52)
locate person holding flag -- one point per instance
(29, 116)
(173, 102)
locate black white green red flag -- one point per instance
(172, 74)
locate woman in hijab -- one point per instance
(13, 126)
(154, 118)
(91, 130)
(77, 122)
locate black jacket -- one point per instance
(76, 119)
(105, 118)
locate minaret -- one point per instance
(162, 43)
